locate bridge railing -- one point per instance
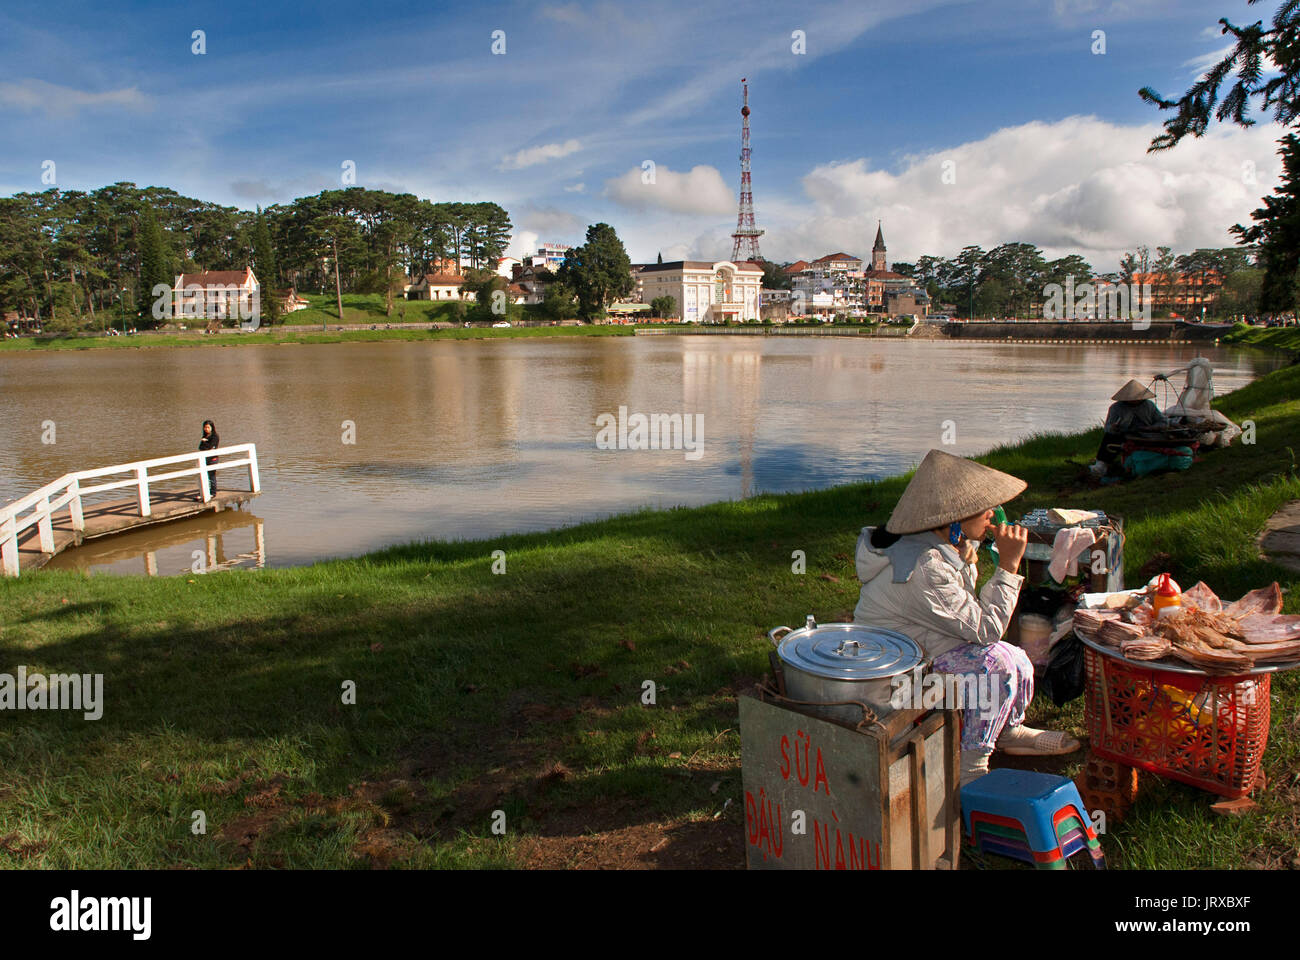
(68, 492)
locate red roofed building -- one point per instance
(216, 295)
(437, 286)
(845, 263)
(1185, 293)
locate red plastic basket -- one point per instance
(1209, 732)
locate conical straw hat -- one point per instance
(1133, 391)
(947, 488)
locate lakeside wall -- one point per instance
(1159, 330)
(1074, 331)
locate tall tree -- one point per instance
(1266, 64)
(962, 275)
(1165, 279)
(1267, 68)
(155, 262)
(266, 268)
(599, 271)
(774, 277)
(1276, 233)
(558, 302)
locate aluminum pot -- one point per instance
(843, 662)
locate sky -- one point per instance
(952, 122)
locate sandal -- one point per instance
(1023, 741)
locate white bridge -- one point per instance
(36, 527)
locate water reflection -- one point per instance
(474, 439)
(217, 541)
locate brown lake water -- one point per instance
(478, 438)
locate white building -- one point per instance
(437, 286)
(506, 267)
(548, 256)
(818, 291)
(706, 292)
(845, 263)
(216, 295)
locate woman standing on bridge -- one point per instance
(209, 441)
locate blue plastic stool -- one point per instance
(1033, 799)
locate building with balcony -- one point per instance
(216, 295)
(844, 263)
(706, 292)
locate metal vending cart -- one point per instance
(825, 792)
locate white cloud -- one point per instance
(569, 13)
(555, 223)
(701, 190)
(1077, 185)
(1206, 60)
(522, 243)
(1073, 9)
(575, 188)
(531, 156)
(54, 99)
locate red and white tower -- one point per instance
(746, 235)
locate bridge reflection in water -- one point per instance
(207, 544)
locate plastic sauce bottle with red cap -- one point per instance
(1167, 596)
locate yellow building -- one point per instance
(706, 292)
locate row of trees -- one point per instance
(1009, 280)
(77, 255)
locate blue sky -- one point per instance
(1048, 138)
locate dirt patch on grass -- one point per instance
(570, 842)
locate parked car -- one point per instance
(501, 323)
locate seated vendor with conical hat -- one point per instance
(918, 577)
(1134, 409)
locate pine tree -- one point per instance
(1277, 234)
(599, 271)
(1266, 63)
(155, 262)
(661, 258)
(264, 265)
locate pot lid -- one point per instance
(850, 651)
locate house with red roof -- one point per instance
(845, 263)
(216, 295)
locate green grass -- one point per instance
(1274, 338)
(369, 308)
(223, 691)
(307, 335)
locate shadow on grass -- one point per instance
(70, 610)
(478, 685)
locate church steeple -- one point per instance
(878, 250)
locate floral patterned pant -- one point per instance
(1005, 677)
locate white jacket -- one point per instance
(919, 587)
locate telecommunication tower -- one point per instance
(746, 235)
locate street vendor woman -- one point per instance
(1134, 409)
(918, 577)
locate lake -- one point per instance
(476, 438)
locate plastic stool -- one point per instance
(1035, 813)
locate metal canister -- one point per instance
(831, 663)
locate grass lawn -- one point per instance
(1274, 338)
(369, 308)
(520, 692)
(290, 334)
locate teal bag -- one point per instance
(1142, 462)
